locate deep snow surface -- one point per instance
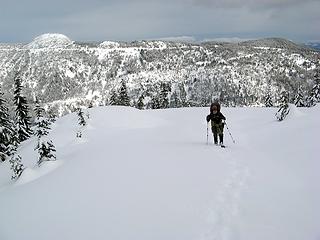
(150, 175)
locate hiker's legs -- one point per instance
(215, 134)
(220, 132)
(221, 138)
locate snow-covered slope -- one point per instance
(150, 175)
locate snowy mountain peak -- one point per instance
(109, 44)
(50, 40)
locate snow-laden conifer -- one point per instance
(114, 98)
(314, 96)
(82, 121)
(268, 98)
(16, 164)
(22, 112)
(123, 95)
(45, 146)
(299, 98)
(164, 92)
(284, 106)
(6, 129)
(140, 103)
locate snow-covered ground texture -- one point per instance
(150, 175)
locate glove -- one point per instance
(208, 118)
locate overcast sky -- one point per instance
(127, 20)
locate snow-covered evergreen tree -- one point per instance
(163, 98)
(16, 164)
(299, 98)
(6, 129)
(81, 121)
(155, 102)
(140, 104)
(123, 95)
(114, 98)
(42, 124)
(81, 118)
(22, 112)
(268, 99)
(314, 96)
(46, 151)
(284, 106)
(45, 147)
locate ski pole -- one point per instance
(207, 133)
(230, 133)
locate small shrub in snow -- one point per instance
(81, 118)
(46, 151)
(16, 166)
(82, 121)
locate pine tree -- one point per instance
(42, 124)
(81, 121)
(163, 98)
(46, 151)
(268, 99)
(22, 112)
(6, 129)
(314, 96)
(114, 98)
(298, 98)
(284, 106)
(123, 95)
(45, 147)
(16, 164)
(81, 118)
(140, 103)
(155, 103)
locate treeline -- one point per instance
(168, 95)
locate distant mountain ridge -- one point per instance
(64, 73)
(314, 45)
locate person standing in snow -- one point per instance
(217, 122)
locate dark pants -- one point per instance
(217, 129)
